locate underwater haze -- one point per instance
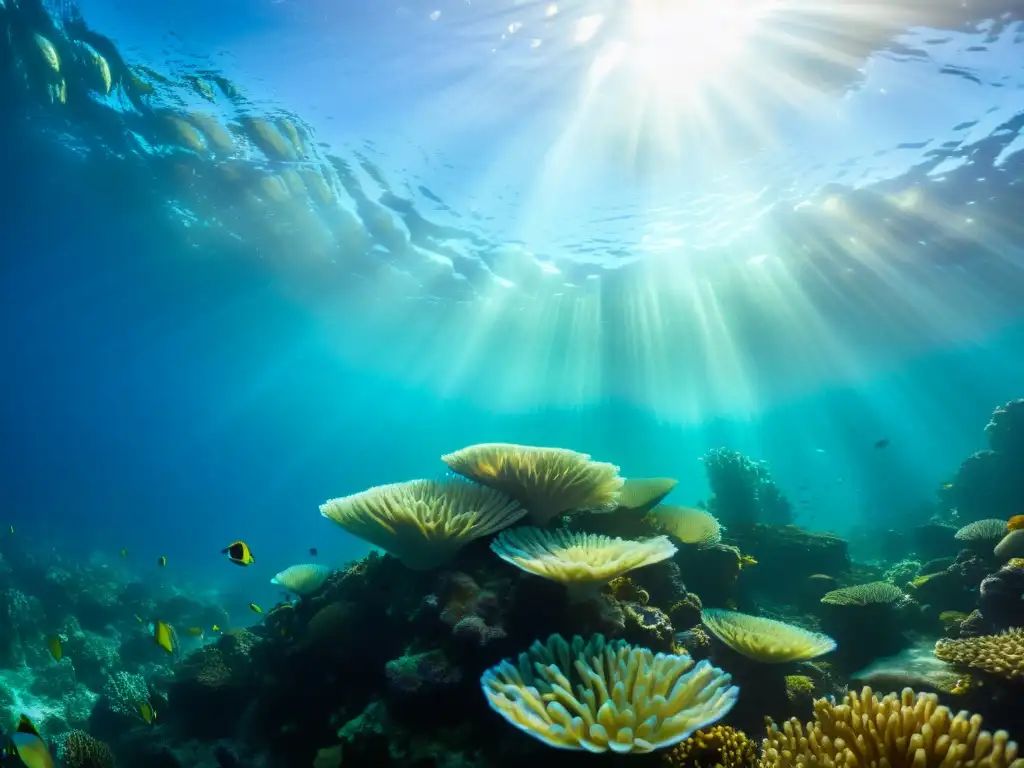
(260, 254)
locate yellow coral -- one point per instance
(423, 522)
(584, 562)
(638, 495)
(720, 746)
(765, 640)
(798, 686)
(874, 593)
(625, 589)
(603, 696)
(905, 731)
(547, 481)
(689, 525)
(1001, 655)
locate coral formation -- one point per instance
(874, 593)
(423, 522)
(743, 492)
(77, 749)
(987, 530)
(1000, 655)
(765, 640)
(547, 481)
(688, 525)
(900, 731)
(720, 746)
(640, 495)
(603, 696)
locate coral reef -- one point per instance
(743, 492)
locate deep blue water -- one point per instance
(171, 393)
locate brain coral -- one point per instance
(905, 731)
(1001, 655)
(547, 481)
(584, 562)
(874, 593)
(603, 696)
(765, 640)
(423, 522)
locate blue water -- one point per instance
(796, 268)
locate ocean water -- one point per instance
(268, 253)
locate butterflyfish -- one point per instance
(164, 636)
(238, 553)
(53, 643)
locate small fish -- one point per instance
(195, 631)
(138, 618)
(883, 443)
(163, 636)
(124, 552)
(313, 551)
(238, 553)
(53, 643)
(161, 561)
(28, 746)
(255, 608)
(146, 712)
(215, 628)
(947, 486)
(12, 529)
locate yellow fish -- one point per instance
(147, 713)
(12, 529)
(195, 631)
(238, 553)
(947, 486)
(256, 608)
(163, 636)
(124, 552)
(161, 561)
(137, 618)
(216, 628)
(28, 746)
(53, 643)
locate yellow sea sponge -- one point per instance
(603, 696)
(584, 562)
(547, 481)
(423, 522)
(765, 640)
(897, 731)
(1001, 655)
(720, 746)
(640, 494)
(689, 525)
(873, 593)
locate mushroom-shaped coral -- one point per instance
(721, 746)
(897, 731)
(584, 562)
(873, 593)
(641, 494)
(989, 529)
(547, 481)
(1001, 655)
(765, 640)
(423, 522)
(690, 526)
(603, 696)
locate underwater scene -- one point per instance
(477, 383)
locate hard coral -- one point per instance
(1005, 429)
(77, 749)
(720, 746)
(875, 593)
(603, 696)
(743, 492)
(1000, 655)
(905, 731)
(765, 640)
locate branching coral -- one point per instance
(547, 481)
(873, 593)
(720, 746)
(765, 640)
(905, 731)
(423, 522)
(1001, 655)
(989, 529)
(690, 526)
(603, 696)
(584, 562)
(77, 749)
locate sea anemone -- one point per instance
(690, 526)
(897, 731)
(1001, 655)
(765, 640)
(603, 696)
(547, 481)
(423, 522)
(584, 562)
